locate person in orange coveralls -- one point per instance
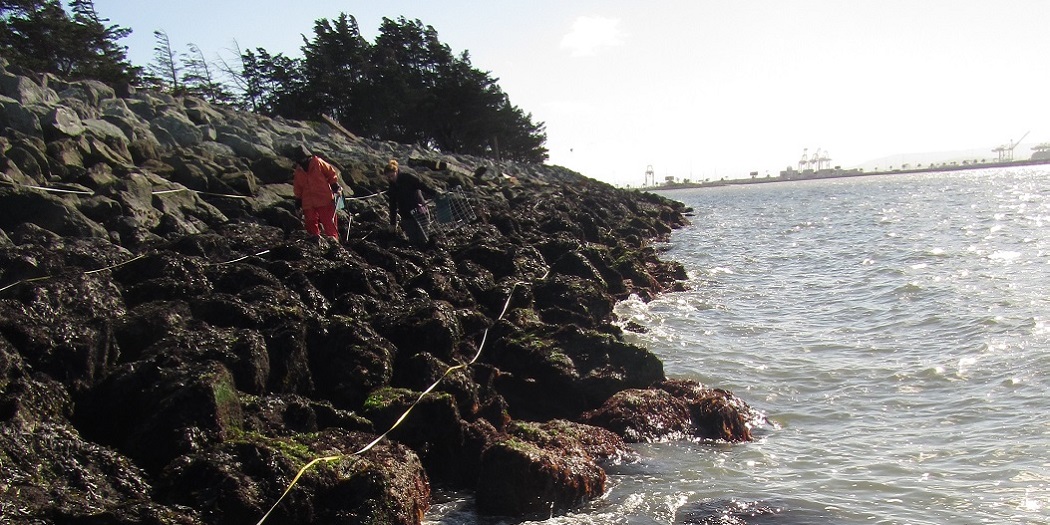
(316, 184)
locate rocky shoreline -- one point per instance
(174, 349)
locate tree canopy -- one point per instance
(40, 35)
(407, 86)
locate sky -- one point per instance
(698, 89)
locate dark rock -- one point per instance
(677, 410)
(539, 470)
(643, 415)
(49, 212)
(348, 360)
(435, 431)
(73, 347)
(424, 326)
(240, 480)
(51, 475)
(165, 411)
(286, 415)
(587, 298)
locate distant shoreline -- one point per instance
(840, 173)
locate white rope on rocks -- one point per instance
(374, 442)
(46, 277)
(154, 192)
(239, 259)
(44, 188)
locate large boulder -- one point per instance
(63, 122)
(47, 211)
(22, 118)
(240, 480)
(543, 469)
(50, 474)
(677, 410)
(166, 410)
(25, 91)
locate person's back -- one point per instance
(316, 183)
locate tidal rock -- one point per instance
(677, 410)
(240, 480)
(544, 469)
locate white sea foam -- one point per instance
(1005, 255)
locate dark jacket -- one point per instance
(406, 194)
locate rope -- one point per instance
(239, 259)
(198, 192)
(12, 285)
(366, 448)
(155, 192)
(364, 197)
(56, 190)
(89, 272)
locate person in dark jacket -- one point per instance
(406, 193)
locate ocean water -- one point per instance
(896, 332)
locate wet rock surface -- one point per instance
(675, 410)
(173, 348)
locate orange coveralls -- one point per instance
(313, 187)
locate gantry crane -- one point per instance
(1006, 152)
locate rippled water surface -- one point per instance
(897, 331)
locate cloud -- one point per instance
(589, 33)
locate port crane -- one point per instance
(823, 160)
(1006, 153)
(804, 161)
(650, 176)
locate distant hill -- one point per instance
(913, 160)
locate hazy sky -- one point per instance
(698, 88)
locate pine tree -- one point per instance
(104, 59)
(40, 36)
(335, 72)
(275, 84)
(165, 70)
(201, 77)
(35, 35)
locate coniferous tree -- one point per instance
(103, 58)
(334, 70)
(32, 34)
(408, 59)
(276, 84)
(243, 90)
(39, 35)
(165, 71)
(201, 77)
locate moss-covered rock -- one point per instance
(540, 469)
